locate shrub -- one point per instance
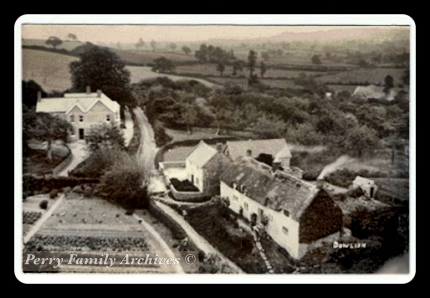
(77, 190)
(184, 185)
(88, 191)
(43, 204)
(355, 192)
(67, 190)
(54, 193)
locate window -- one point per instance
(81, 118)
(108, 118)
(286, 213)
(245, 206)
(72, 118)
(285, 230)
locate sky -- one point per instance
(174, 33)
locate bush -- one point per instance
(44, 204)
(88, 191)
(77, 190)
(355, 192)
(67, 190)
(184, 185)
(54, 193)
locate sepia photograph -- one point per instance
(216, 149)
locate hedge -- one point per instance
(36, 183)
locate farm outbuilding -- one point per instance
(368, 186)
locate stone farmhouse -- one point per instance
(82, 110)
(291, 211)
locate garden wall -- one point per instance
(38, 183)
(187, 196)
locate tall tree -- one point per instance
(186, 50)
(140, 44)
(220, 67)
(252, 62)
(29, 93)
(263, 69)
(44, 127)
(153, 45)
(102, 69)
(202, 53)
(53, 41)
(388, 83)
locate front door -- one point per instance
(81, 133)
(372, 192)
(192, 178)
(260, 214)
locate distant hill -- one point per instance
(67, 44)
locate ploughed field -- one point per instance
(94, 226)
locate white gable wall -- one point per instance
(194, 174)
(277, 220)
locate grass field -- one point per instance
(371, 75)
(210, 70)
(145, 57)
(49, 70)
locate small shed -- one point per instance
(368, 186)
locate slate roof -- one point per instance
(276, 192)
(278, 148)
(201, 154)
(83, 100)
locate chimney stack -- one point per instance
(219, 147)
(275, 166)
(39, 96)
(88, 89)
(99, 93)
(249, 153)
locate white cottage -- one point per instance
(293, 212)
(368, 186)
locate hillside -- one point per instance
(49, 70)
(67, 44)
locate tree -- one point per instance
(202, 53)
(140, 44)
(53, 41)
(269, 127)
(186, 50)
(44, 127)
(405, 77)
(172, 46)
(153, 45)
(105, 136)
(189, 115)
(102, 69)
(220, 67)
(124, 184)
(252, 62)
(238, 66)
(29, 93)
(163, 64)
(219, 106)
(72, 36)
(388, 83)
(316, 59)
(263, 68)
(360, 138)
